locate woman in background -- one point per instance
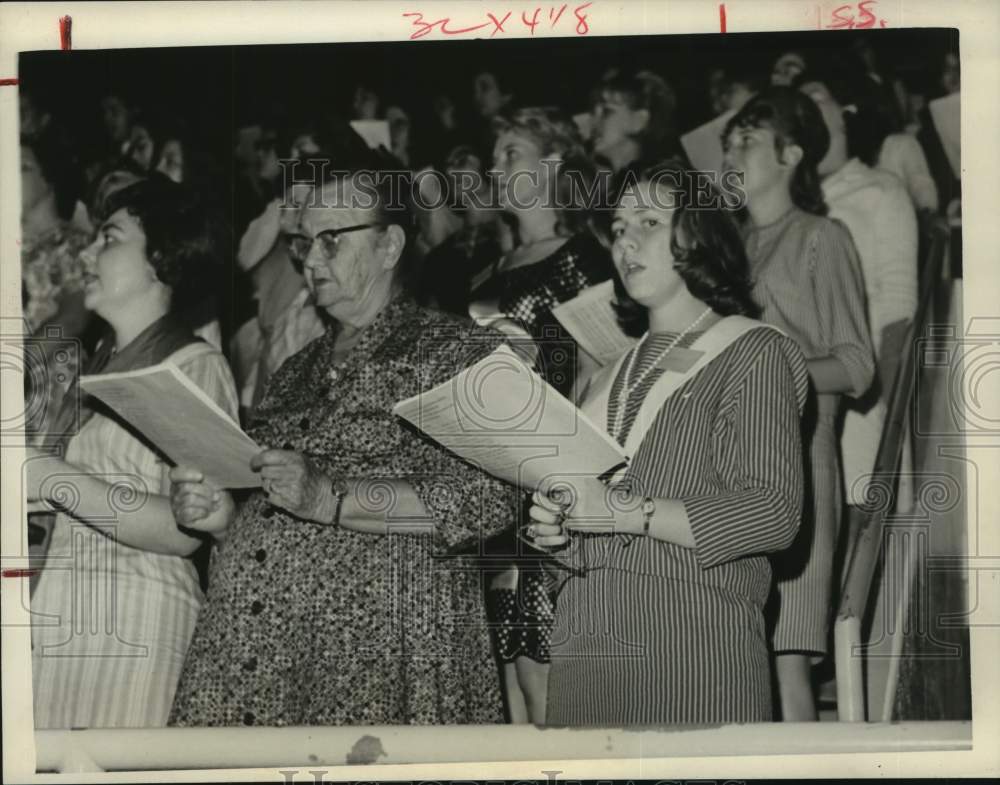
(634, 119)
(877, 211)
(554, 258)
(808, 282)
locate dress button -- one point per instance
(250, 665)
(260, 555)
(249, 718)
(304, 423)
(256, 607)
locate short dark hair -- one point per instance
(180, 242)
(706, 246)
(795, 120)
(643, 89)
(866, 122)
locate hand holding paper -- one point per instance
(501, 416)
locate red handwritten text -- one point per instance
(444, 25)
(855, 17)
(65, 32)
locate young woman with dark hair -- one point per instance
(808, 282)
(662, 617)
(634, 118)
(117, 527)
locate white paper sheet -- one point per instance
(591, 320)
(502, 417)
(374, 132)
(947, 115)
(181, 420)
(703, 145)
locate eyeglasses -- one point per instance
(300, 246)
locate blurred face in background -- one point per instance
(487, 96)
(616, 122)
(116, 118)
(951, 74)
(303, 146)
(786, 68)
(399, 127)
(520, 174)
(141, 147)
(34, 187)
(245, 145)
(171, 161)
(365, 104)
(268, 168)
(32, 119)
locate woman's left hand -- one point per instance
(587, 504)
(293, 483)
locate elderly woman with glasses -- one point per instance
(343, 592)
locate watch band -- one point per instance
(648, 509)
(340, 491)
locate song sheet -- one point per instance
(591, 320)
(502, 417)
(170, 410)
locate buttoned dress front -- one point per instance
(315, 624)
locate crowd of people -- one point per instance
(376, 578)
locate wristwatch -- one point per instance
(648, 509)
(340, 490)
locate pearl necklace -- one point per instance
(627, 389)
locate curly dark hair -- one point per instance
(705, 242)
(795, 120)
(181, 245)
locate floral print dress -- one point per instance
(312, 624)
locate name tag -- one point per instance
(680, 360)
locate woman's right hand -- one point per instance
(197, 504)
(547, 528)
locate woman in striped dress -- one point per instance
(117, 600)
(662, 620)
(808, 282)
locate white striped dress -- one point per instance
(111, 624)
(654, 633)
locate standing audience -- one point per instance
(374, 577)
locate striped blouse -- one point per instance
(726, 444)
